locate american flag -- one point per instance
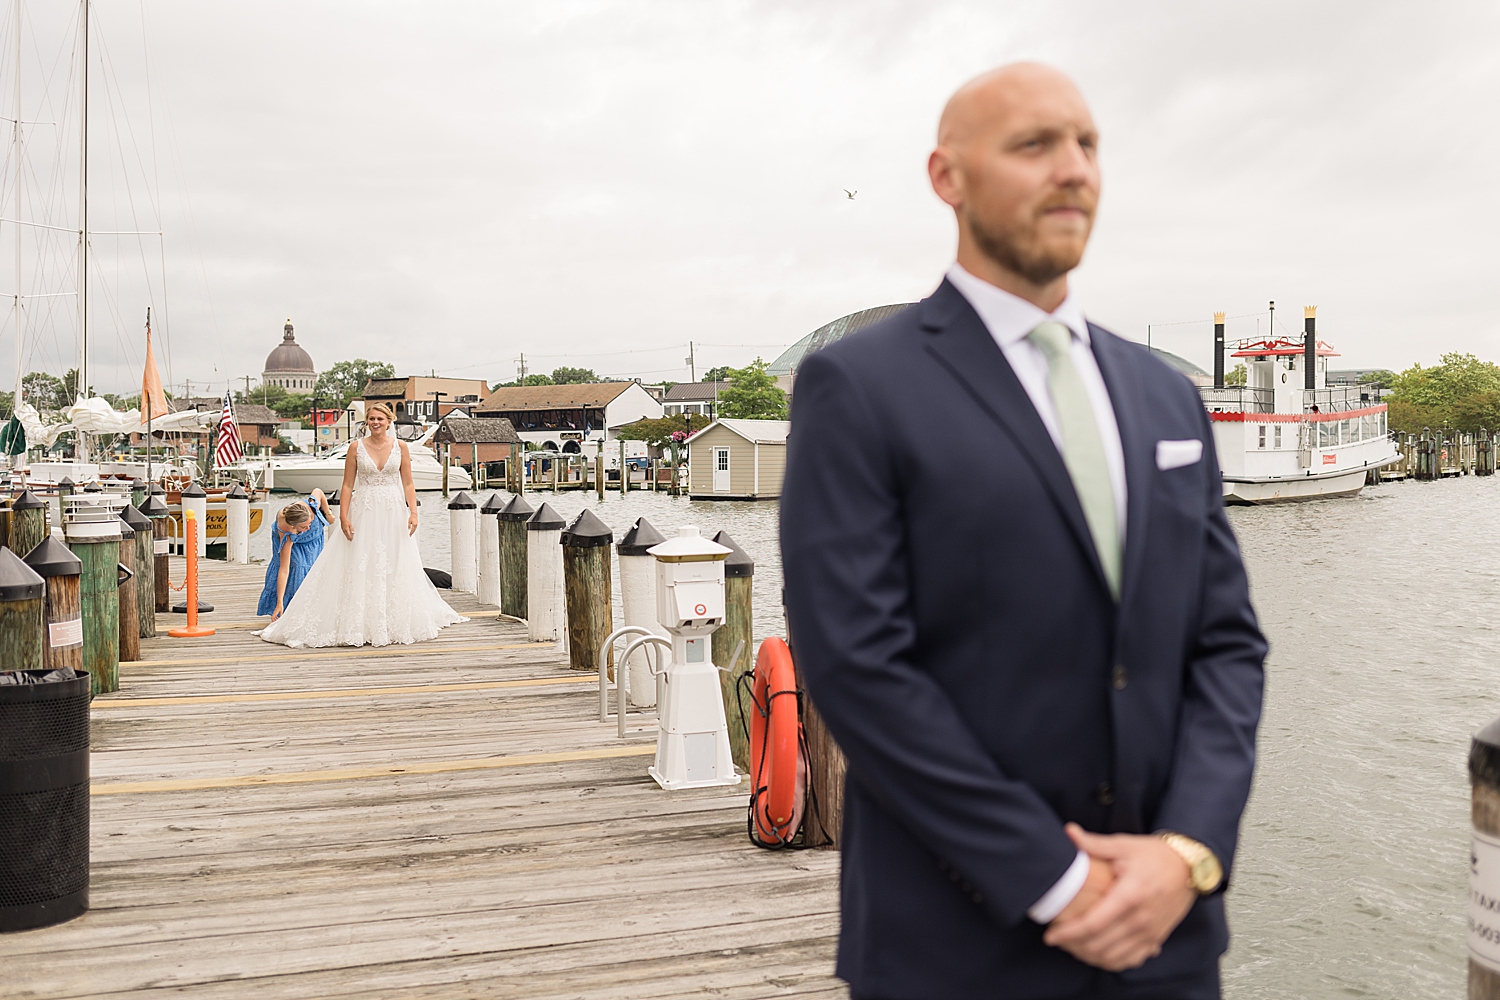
(228, 450)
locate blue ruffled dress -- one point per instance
(305, 550)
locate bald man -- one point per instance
(1045, 672)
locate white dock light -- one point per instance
(692, 745)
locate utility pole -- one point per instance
(692, 365)
(522, 368)
(247, 388)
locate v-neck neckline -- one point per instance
(380, 466)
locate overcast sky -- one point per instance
(444, 186)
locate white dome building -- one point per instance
(289, 366)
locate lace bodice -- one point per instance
(375, 484)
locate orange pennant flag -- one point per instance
(153, 400)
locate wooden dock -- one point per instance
(442, 820)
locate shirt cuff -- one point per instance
(1057, 898)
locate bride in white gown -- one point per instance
(368, 586)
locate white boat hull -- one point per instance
(328, 475)
(1291, 489)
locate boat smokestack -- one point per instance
(1310, 347)
(1218, 350)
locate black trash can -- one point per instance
(44, 802)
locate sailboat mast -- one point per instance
(16, 159)
(83, 206)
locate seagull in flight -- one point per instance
(851, 194)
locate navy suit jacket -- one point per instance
(952, 623)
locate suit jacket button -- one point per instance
(1120, 677)
(1106, 794)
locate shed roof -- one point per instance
(694, 391)
(385, 388)
(754, 431)
(552, 397)
(476, 430)
(244, 413)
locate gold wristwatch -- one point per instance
(1205, 874)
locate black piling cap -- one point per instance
(462, 502)
(738, 562)
(494, 505)
(587, 531)
(137, 484)
(517, 510)
(238, 493)
(1484, 756)
(156, 490)
(639, 538)
(127, 530)
(152, 506)
(53, 558)
(134, 518)
(545, 519)
(27, 501)
(194, 490)
(18, 581)
(66, 481)
(93, 488)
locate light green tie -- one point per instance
(1083, 451)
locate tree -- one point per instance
(658, 432)
(1381, 377)
(719, 374)
(346, 380)
(573, 376)
(45, 392)
(752, 395)
(1239, 375)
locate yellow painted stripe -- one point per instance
(352, 773)
(263, 622)
(229, 699)
(334, 654)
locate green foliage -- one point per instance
(1238, 375)
(287, 405)
(1460, 391)
(572, 376)
(530, 380)
(752, 395)
(1381, 377)
(47, 393)
(720, 374)
(346, 380)
(659, 432)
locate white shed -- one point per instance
(738, 460)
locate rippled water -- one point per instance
(1352, 875)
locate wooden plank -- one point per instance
(370, 692)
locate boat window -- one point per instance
(1262, 435)
(1277, 437)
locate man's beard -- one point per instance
(1032, 261)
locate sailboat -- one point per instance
(87, 417)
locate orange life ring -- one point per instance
(775, 746)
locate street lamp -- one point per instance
(437, 404)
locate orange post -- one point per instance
(190, 550)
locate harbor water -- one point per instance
(1352, 875)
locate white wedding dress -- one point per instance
(371, 590)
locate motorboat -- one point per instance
(303, 473)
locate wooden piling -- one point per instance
(28, 523)
(1484, 868)
(512, 528)
(99, 599)
(586, 588)
(129, 609)
(599, 472)
(161, 547)
(145, 572)
(823, 813)
(62, 641)
(21, 593)
(739, 579)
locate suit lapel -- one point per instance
(962, 345)
(1123, 382)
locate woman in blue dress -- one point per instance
(296, 541)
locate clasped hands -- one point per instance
(1136, 893)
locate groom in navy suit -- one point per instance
(1014, 595)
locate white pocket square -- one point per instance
(1175, 454)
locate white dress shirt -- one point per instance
(1009, 319)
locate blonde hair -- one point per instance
(379, 408)
(296, 514)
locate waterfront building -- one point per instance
(424, 399)
(491, 437)
(738, 460)
(289, 366)
(566, 417)
(693, 397)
